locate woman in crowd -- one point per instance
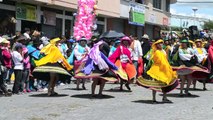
(53, 66)
(202, 57)
(98, 67)
(162, 77)
(80, 52)
(122, 59)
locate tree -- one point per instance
(208, 25)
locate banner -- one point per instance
(136, 14)
(26, 12)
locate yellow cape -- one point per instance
(161, 69)
(53, 55)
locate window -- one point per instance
(139, 1)
(168, 5)
(157, 4)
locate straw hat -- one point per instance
(145, 36)
(5, 41)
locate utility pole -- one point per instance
(195, 10)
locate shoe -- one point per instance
(127, 86)
(24, 91)
(166, 101)
(188, 94)
(204, 89)
(28, 90)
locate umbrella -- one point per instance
(112, 34)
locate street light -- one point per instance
(195, 10)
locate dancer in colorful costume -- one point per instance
(202, 57)
(53, 66)
(210, 62)
(77, 56)
(163, 78)
(189, 68)
(97, 66)
(122, 59)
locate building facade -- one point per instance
(157, 15)
(55, 17)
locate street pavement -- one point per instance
(73, 104)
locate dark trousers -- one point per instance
(3, 87)
(25, 81)
(18, 80)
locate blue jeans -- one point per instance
(135, 62)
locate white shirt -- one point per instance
(27, 36)
(186, 54)
(137, 52)
(202, 56)
(17, 59)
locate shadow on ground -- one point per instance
(192, 89)
(150, 102)
(45, 95)
(88, 96)
(117, 90)
(74, 89)
(178, 95)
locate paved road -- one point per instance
(77, 105)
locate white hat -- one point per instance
(145, 36)
(4, 40)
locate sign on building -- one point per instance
(26, 12)
(136, 14)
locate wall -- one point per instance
(105, 7)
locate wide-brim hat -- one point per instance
(145, 36)
(155, 43)
(83, 39)
(5, 41)
(126, 38)
(198, 40)
(158, 41)
(184, 41)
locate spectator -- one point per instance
(17, 57)
(7, 59)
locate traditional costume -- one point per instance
(122, 59)
(52, 62)
(201, 54)
(189, 68)
(97, 65)
(163, 78)
(188, 63)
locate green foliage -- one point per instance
(208, 25)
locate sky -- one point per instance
(205, 10)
